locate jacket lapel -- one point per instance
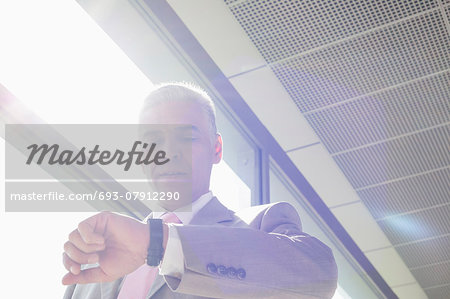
(157, 284)
(212, 213)
(109, 290)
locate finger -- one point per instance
(70, 265)
(78, 256)
(86, 276)
(87, 230)
(76, 239)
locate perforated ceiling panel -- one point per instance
(230, 1)
(417, 226)
(417, 254)
(373, 80)
(386, 114)
(433, 275)
(438, 292)
(408, 194)
(396, 158)
(281, 29)
(379, 59)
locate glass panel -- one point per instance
(240, 156)
(64, 67)
(229, 188)
(74, 73)
(341, 294)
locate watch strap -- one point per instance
(155, 249)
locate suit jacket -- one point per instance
(260, 252)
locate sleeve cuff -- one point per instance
(173, 260)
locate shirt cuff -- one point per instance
(173, 260)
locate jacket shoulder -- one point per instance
(262, 215)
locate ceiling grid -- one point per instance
(372, 78)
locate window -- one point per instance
(64, 67)
(229, 187)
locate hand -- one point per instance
(118, 243)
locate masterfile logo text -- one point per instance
(96, 167)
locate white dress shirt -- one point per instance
(173, 260)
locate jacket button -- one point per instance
(232, 272)
(241, 274)
(221, 270)
(211, 268)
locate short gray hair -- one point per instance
(183, 91)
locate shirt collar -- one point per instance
(186, 217)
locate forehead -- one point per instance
(153, 131)
(175, 112)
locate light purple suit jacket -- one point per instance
(266, 242)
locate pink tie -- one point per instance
(138, 283)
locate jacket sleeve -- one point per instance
(269, 258)
(93, 290)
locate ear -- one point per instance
(218, 146)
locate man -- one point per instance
(260, 252)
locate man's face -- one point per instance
(192, 136)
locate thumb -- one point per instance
(91, 275)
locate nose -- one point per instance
(173, 150)
(175, 155)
